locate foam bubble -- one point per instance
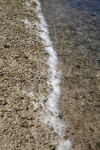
(65, 145)
(50, 114)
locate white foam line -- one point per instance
(50, 108)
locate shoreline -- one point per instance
(23, 79)
(50, 112)
(25, 84)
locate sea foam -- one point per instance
(50, 114)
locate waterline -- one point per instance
(50, 111)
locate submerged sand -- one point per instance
(76, 43)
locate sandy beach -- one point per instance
(23, 80)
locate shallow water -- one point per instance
(84, 16)
(79, 19)
(74, 27)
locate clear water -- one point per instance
(85, 14)
(81, 20)
(75, 32)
